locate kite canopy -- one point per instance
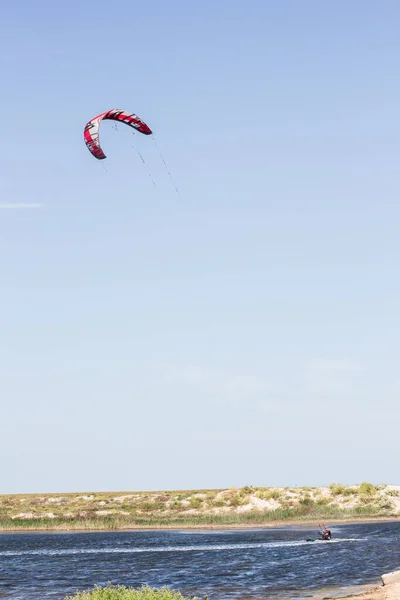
(91, 133)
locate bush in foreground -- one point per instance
(121, 592)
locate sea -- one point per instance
(236, 564)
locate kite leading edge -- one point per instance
(91, 132)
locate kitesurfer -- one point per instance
(326, 534)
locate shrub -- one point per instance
(322, 501)
(196, 502)
(235, 500)
(218, 503)
(367, 489)
(275, 494)
(349, 491)
(306, 500)
(121, 592)
(150, 506)
(337, 489)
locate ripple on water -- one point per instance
(252, 564)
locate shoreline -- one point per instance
(365, 591)
(388, 589)
(205, 527)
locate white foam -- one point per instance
(199, 548)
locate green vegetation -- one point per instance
(337, 489)
(124, 593)
(197, 508)
(367, 489)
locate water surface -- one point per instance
(234, 564)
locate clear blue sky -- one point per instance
(244, 332)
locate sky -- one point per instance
(243, 330)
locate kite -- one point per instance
(91, 132)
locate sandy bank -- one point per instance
(388, 590)
(181, 508)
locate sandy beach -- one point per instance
(389, 589)
(379, 593)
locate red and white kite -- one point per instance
(91, 133)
